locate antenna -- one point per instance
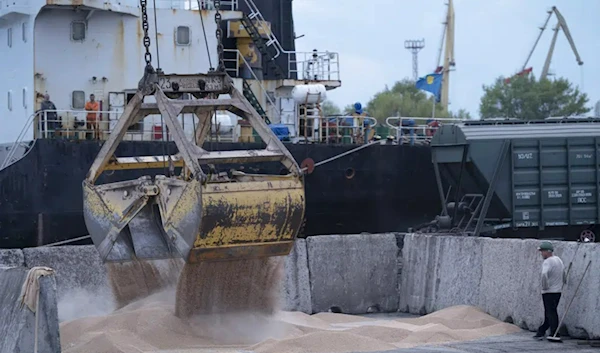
(415, 46)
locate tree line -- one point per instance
(523, 97)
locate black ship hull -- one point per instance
(381, 188)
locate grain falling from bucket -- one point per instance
(250, 285)
(135, 280)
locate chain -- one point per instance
(147, 56)
(219, 34)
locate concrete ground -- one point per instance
(521, 342)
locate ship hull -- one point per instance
(382, 188)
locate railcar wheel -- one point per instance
(587, 236)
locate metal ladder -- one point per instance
(251, 97)
(261, 43)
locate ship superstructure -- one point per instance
(71, 49)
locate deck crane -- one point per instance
(561, 24)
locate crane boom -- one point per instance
(537, 40)
(562, 24)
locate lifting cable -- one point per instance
(156, 37)
(205, 38)
(148, 59)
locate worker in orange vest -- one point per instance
(92, 116)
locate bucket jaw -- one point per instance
(190, 215)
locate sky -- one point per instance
(492, 38)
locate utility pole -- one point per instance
(415, 46)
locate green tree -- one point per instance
(403, 99)
(461, 114)
(526, 98)
(348, 109)
(330, 108)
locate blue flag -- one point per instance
(431, 83)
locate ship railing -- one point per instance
(314, 66)
(306, 66)
(336, 129)
(417, 130)
(246, 72)
(10, 155)
(73, 125)
(226, 5)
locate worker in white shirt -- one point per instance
(553, 278)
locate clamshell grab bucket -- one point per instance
(192, 216)
(218, 221)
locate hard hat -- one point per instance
(546, 245)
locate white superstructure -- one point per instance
(70, 49)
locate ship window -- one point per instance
(78, 100)
(24, 97)
(9, 101)
(9, 37)
(182, 35)
(78, 31)
(24, 30)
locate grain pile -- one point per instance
(150, 325)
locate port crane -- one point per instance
(561, 24)
(447, 46)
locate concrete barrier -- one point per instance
(12, 258)
(353, 272)
(19, 328)
(77, 267)
(84, 287)
(295, 293)
(414, 273)
(501, 276)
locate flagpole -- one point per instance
(433, 109)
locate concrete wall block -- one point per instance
(458, 261)
(419, 258)
(353, 272)
(48, 321)
(18, 324)
(12, 258)
(510, 285)
(296, 285)
(77, 267)
(582, 320)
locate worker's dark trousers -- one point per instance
(550, 313)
